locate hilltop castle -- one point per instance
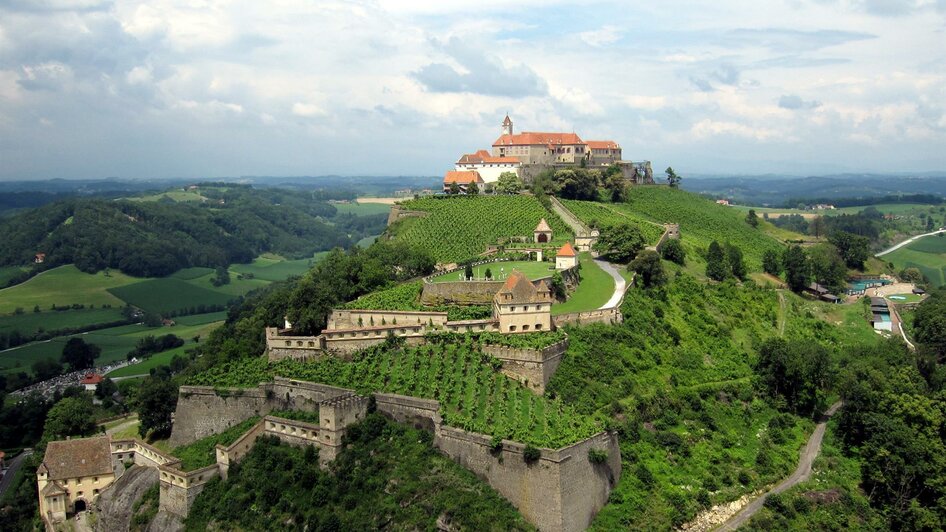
(528, 153)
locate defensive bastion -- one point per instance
(561, 491)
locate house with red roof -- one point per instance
(90, 380)
(463, 179)
(566, 257)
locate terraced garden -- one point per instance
(459, 228)
(473, 394)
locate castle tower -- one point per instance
(507, 126)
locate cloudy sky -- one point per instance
(209, 88)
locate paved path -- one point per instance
(133, 420)
(14, 464)
(907, 241)
(619, 283)
(802, 473)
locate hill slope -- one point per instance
(156, 238)
(460, 227)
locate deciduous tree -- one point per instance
(717, 263)
(797, 268)
(620, 242)
(79, 355)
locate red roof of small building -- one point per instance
(566, 251)
(91, 378)
(531, 138)
(462, 177)
(602, 144)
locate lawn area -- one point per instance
(115, 343)
(531, 269)
(31, 322)
(594, 290)
(200, 319)
(191, 273)
(236, 287)
(362, 209)
(904, 298)
(275, 268)
(169, 294)
(65, 285)
(927, 254)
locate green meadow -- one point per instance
(64, 286)
(594, 290)
(927, 254)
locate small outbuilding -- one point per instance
(919, 291)
(90, 380)
(463, 180)
(542, 232)
(566, 257)
(39, 258)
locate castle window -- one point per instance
(525, 327)
(288, 343)
(512, 328)
(538, 326)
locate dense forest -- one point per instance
(232, 224)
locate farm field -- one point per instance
(31, 322)
(596, 214)
(701, 221)
(169, 294)
(236, 287)
(65, 285)
(595, 289)
(362, 209)
(115, 342)
(173, 194)
(927, 254)
(459, 228)
(886, 208)
(473, 396)
(500, 270)
(274, 268)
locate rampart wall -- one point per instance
(532, 367)
(352, 318)
(611, 315)
(460, 292)
(398, 212)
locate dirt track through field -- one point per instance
(802, 473)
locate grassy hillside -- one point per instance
(461, 227)
(595, 214)
(387, 478)
(676, 379)
(64, 286)
(926, 254)
(701, 221)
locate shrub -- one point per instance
(597, 456)
(531, 454)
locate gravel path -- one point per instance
(802, 473)
(619, 284)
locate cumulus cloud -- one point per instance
(606, 35)
(482, 74)
(795, 102)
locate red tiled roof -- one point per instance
(483, 156)
(91, 378)
(566, 251)
(531, 138)
(462, 177)
(521, 289)
(602, 144)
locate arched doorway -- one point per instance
(80, 506)
(542, 238)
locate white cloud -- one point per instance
(600, 37)
(307, 109)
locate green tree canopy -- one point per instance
(796, 372)
(672, 178)
(79, 355)
(717, 262)
(71, 416)
(771, 263)
(797, 268)
(157, 399)
(620, 242)
(854, 249)
(827, 267)
(752, 219)
(673, 251)
(508, 183)
(648, 266)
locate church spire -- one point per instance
(507, 125)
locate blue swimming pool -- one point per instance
(857, 286)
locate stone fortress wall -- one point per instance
(561, 491)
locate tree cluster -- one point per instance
(724, 262)
(621, 243)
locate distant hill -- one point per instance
(784, 190)
(221, 225)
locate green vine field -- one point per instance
(600, 215)
(460, 228)
(473, 394)
(406, 296)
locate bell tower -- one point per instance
(507, 126)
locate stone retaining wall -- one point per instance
(532, 367)
(611, 316)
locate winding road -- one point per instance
(802, 472)
(14, 464)
(907, 241)
(619, 283)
